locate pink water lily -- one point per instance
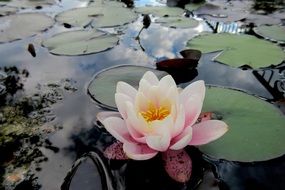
(157, 117)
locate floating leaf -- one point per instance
(28, 3)
(276, 33)
(80, 42)
(103, 87)
(6, 10)
(161, 11)
(239, 49)
(256, 128)
(115, 151)
(220, 13)
(193, 6)
(178, 165)
(178, 22)
(103, 15)
(29, 23)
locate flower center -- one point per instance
(154, 113)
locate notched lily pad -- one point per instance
(178, 22)
(23, 25)
(80, 42)
(108, 14)
(103, 87)
(256, 128)
(275, 33)
(238, 50)
(220, 13)
(161, 11)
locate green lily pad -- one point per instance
(108, 14)
(29, 24)
(161, 11)
(276, 33)
(256, 128)
(178, 22)
(239, 50)
(28, 3)
(80, 42)
(103, 87)
(7, 10)
(193, 6)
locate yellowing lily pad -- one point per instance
(19, 26)
(80, 42)
(275, 32)
(238, 50)
(107, 14)
(161, 11)
(178, 22)
(256, 128)
(103, 87)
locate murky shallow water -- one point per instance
(76, 111)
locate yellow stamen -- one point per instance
(154, 113)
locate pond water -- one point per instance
(48, 93)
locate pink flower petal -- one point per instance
(117, 128)
(115, 152)
(182, 140)
(179, 122)
(151, 78)
(138, 151)
(178, 165)
(126, 89)
(137, 136)
(101, 116)
(121, 100)
(196, 89)
(193, 107)
(207, 131)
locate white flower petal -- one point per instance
(151, 78)
(121, 100)
(196, 89)
(182, 140)
(138, 151)
(126, 89)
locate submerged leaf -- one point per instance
(176, 64)
(115, 152)
(6, 10)
(178, 165)
(256, 128)
(80, 42)
(239, 50)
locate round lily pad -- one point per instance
(161, 11)
(256, 128)
(80, 42)
(239, 50)
(7, 10)
(108, 14)
(19, 26)
(103, 86)
(178, 22)
(275, 32)
(28, 3)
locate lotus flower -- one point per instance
(158, 117)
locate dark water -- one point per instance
(75, 112)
